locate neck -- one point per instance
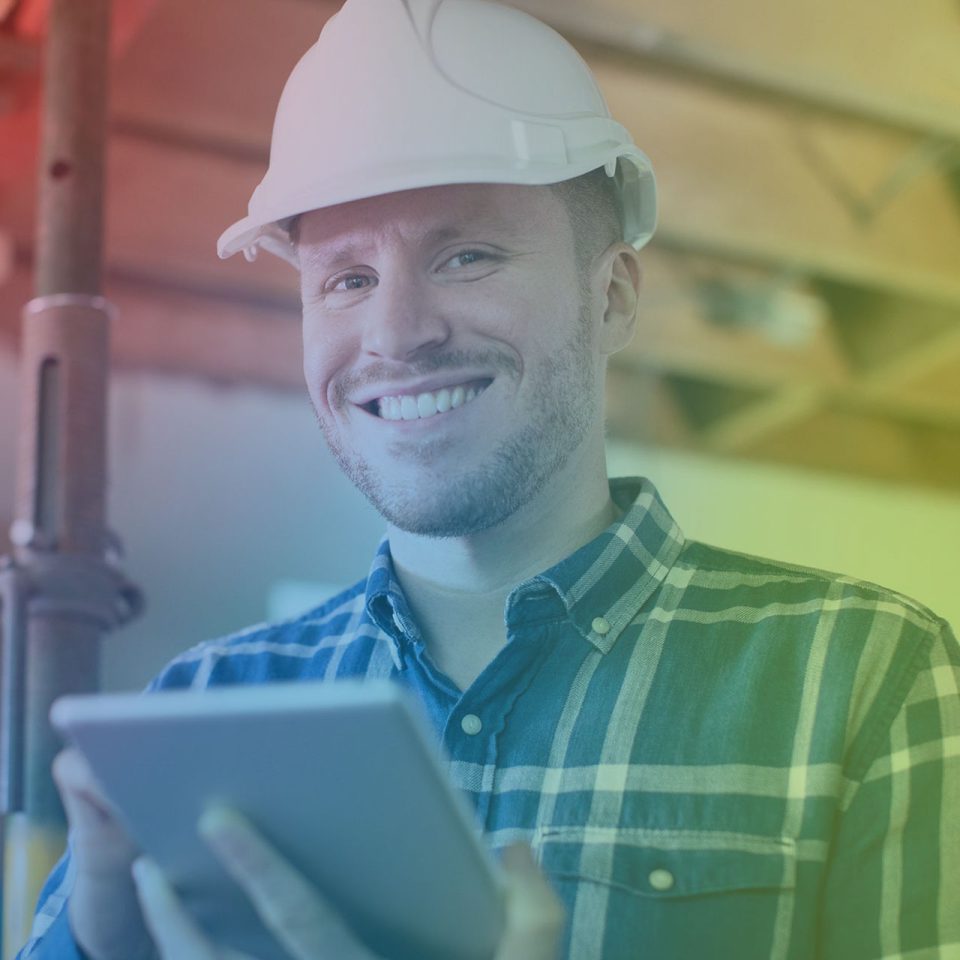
(573, 508)
(457, 587)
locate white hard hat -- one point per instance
(398, 94)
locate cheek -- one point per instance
(532, 317)
(324, 356)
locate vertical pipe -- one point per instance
(70, 215)
(62, 449)
(13, 594)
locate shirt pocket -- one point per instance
(668, 894)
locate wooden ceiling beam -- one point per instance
(779, 410)
(744, 180)
(853, 442)
(232, 58)
(864, 352)
(909, 410)
(867, 445)
(798, 52)
(901, 382)
(782, 409)
(732, 323)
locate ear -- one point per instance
(618, 278)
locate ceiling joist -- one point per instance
(737, 180)
(795, 52)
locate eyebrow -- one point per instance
(348, 252)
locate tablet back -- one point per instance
(343, 778)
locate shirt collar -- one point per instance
(607, 581)
(602, 586)
(387, 606)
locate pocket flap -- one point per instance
(668, 863)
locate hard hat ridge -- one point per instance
(401, 94)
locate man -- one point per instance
(711, 755)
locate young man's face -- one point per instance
(449, 350)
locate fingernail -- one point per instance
(226, 832)
(145, 871)
(151, 882)
(217, 821)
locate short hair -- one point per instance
(593, 205)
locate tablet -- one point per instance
(344, 778)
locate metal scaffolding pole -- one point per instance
(60, 590)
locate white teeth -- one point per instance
(426, 404)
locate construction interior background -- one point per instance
(794, 388)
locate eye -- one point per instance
(467, 258)
(350, 282)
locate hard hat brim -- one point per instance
(263, 230)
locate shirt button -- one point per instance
(661, 879)
(600, 625)
(471, 724)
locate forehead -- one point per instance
(507, 213)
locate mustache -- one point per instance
(498, 361)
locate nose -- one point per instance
(403, 319)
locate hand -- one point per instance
(300, 918)
(104, 914)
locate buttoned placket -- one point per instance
(469, 723)
(471, 735)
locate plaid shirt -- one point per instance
(713, 755)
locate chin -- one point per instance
(470, 502)
(439, 520)
(436, 489)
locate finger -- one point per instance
(285, 901)
(94, 824)
(174, 932)
(535, 915)
(75, 781)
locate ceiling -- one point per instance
(802, 298)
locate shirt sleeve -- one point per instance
(51, 937)
(893, 886)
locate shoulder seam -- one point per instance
(816, 574)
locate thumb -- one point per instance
(518, 859)
(534, 912)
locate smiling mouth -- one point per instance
(428, 404)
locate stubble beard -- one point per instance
(462, 503)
